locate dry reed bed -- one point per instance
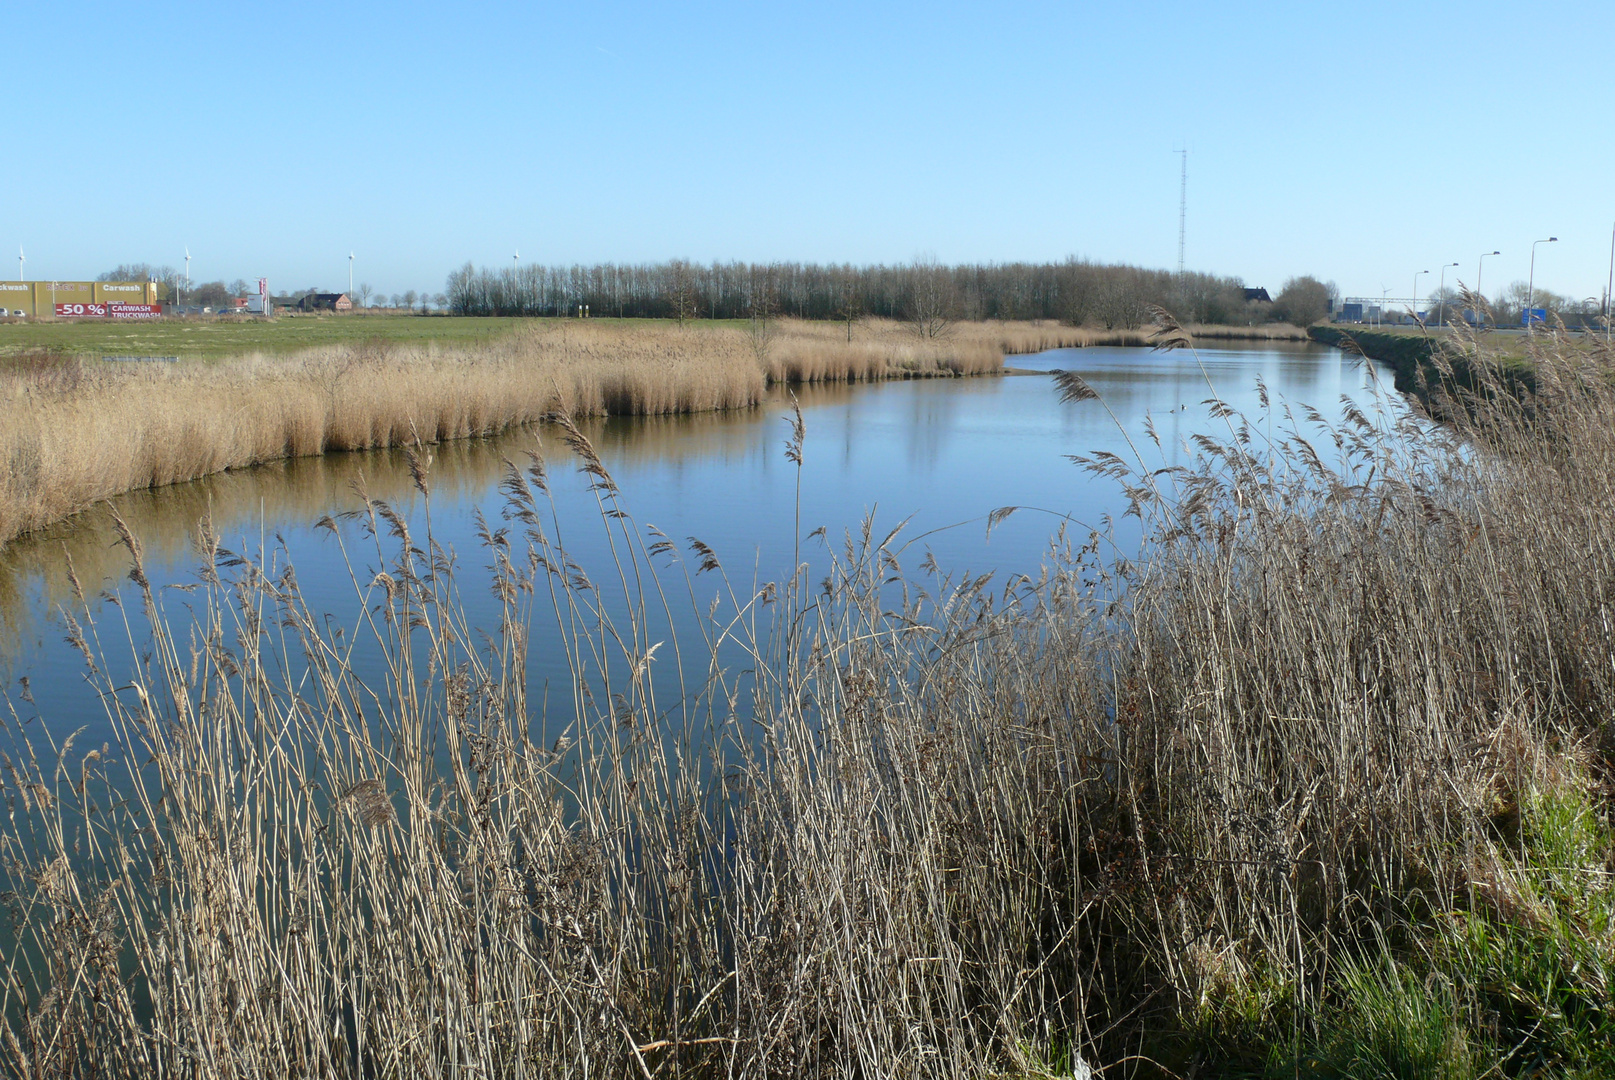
(937, 828)
(75, 434)
(796, 350)
(1021, 338)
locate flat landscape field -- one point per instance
(237, 336)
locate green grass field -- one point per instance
(233, 336)
(211, 338)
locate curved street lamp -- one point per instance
(1416, 278)
(1530, 285)
(1441, 294)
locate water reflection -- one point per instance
(942, 451)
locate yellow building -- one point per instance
(76, 299)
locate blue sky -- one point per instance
(1360, 142)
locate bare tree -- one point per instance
(1119, 304)
(763, 305)
(365, 292)
(926, 294)
(683, 293)
(931, 298)
(849, 300)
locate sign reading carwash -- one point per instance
(73, 299)
(1533, 315)
(109, 311)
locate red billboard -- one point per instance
(81, 311)
(135, 311)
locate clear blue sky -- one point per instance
(1359, 142)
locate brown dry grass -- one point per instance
(803, 351)
(76, 432)
(1021, 338)
(895, 824)
(933, 829)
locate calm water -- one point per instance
(939, 452)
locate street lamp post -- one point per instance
(1530, 285)
(1441, 294)
(1480, 296)
(1608, 288)
(1416, 278)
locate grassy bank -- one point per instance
(1316, 784)
(224, 337)
(76, 431)
(220, 337)
(1430, 362)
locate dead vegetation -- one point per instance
(886, 824)
(76, 432)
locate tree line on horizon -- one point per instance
(925, 292)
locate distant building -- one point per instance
(79, 299)
(1257, 294)
(325, 301)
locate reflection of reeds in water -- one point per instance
(1185, 808)
(74, 434)
(300, 490)
(122, 428)
(168, 520)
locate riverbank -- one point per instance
(77, 431)
(1077, 337)
(224, 337)
(1437, 366)
(1315, 783)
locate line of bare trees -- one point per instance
(926, 293)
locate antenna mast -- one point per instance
(1183, 205)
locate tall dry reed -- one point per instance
(77, 431)
(895, 824)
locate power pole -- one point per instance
(1183, 205)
